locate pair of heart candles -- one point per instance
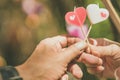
(78, 17)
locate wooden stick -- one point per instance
(113, 14)
(86, 38)
(74, 8)
(88, 32)
(83, 31)
(112, 42)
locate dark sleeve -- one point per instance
(9, 73)
(0, 76)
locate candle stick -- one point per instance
(81, 16)
(86, 38)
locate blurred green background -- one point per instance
(22, 28)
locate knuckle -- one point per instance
(75, 49)
(114, 49)
(45, 42)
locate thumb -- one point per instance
(73, 51)
(102, 51)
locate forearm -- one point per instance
(24, 72)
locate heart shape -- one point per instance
(103, 14)
(97, 14)
(77, 17)
(72, 19)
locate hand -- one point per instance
(110, 55)
(50, 59)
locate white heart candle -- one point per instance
(96, 14)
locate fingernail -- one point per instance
(78, 74)
(95, 42)
(65, 77)
(100, 61)
(80, 45)
(101, 68)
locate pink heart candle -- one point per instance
(76, 31)
(77, 17)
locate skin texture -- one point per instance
(54, 56)
(110, 55)
(51, 59)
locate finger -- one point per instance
(76, 71)
(63, 40)
(95, 70)
(73, 51)
(93, 41)
(64, 77)
(101, 41)
(108, 42)
(110, 50)
(117, 73)
(89, 59)
(98, 41)
(72, 40)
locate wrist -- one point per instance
(24, 72)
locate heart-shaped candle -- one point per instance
(77, 31)
(77, 17)
(97, 14)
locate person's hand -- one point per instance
(50, 59)
(110, 55)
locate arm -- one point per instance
(49, 51)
